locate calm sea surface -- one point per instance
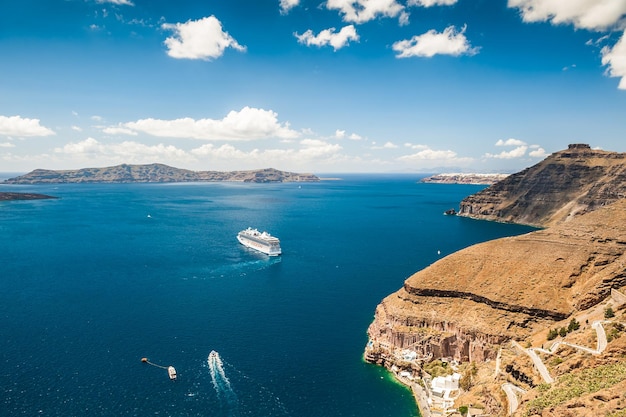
(107, 274)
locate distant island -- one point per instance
(23, 196)
(126, 173)
(459, 178)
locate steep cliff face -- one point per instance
(468, 303)
(564, 185)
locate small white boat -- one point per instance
(171, 371)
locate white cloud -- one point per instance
(429, 154)
(354, 136)
(118, 2)
(431, 43)
(199, 39)
(361, 11)
(387, 145)
(510, 142)
(7, 145)
(585, 14)
(125, 152)
(340, 134)
(310, 150)
(537, 152)
(77, 129)
(22, 127)
(329, 37)
(286, 5)
(615, 59)
(514, 153)
(430, 3)
(97, 118)
(119, 130)
(247, 124)
(431, 158)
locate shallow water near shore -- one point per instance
(110, 273)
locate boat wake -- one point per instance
(253, 398)
(221, 383)
(243, 268)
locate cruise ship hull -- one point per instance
(261, 242)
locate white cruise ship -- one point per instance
(263, 242)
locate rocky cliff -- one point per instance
(467, 304)
(472, 305)
(155, 173)
(566, 184)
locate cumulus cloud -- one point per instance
(361, 11)
(598, 15)
(429, 154)
(584, 14)
(246, 124)
(119, 130)
(510, 142)
(518, 152)
(430, 3)
(615, 59)
(128, 152)
(7, 145)
(537, 152)
(286, 5)
(199, 39)
(22, 127)
(329, 37)
(387, 145)
(431, 43)
(425, 156)
(309, 150)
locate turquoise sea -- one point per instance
(107, 274)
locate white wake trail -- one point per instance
(221, 383)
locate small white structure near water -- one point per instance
(444, 390)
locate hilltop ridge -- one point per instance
(566, 184)
(126, 173)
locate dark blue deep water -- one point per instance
(107, 274)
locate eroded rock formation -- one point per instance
(566, 184)
(465, 305)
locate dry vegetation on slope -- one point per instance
(471, 305)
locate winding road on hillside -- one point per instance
(511, 390)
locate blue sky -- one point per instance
(315, 86)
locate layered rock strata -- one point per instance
(566, 184)
(467, 304)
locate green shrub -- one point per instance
(573, 325)
(608, 312)
(552, 334)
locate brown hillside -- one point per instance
(565, 184)
(466, 304)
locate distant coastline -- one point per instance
(126, 173)
(459, 178)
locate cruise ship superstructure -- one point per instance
(261, 241)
